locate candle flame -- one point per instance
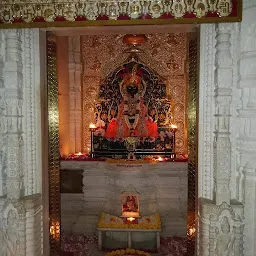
(79, 153)
(92, 126)
(174, 126)
(191, 231)
(130, 218)
(160, 159)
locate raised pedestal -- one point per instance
(162, 188)
(129, 232)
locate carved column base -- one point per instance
(221, 228)
(21, 226)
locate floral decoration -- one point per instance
(128, 251)
(147, 222)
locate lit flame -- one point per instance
(52, 230)
(92, 126)
(130, 218)
(79, 153)
(174, 126)
(192, 231)
(55, 230)
(160, 159)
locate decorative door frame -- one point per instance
(217, 42)
(53, 143)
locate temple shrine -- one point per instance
(128, 182)
(127, 127)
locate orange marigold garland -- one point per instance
(127, 252)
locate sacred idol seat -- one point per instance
(134, 115)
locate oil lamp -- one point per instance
(173, 127)
(92, 128)
(160, 159)
(130, 219)
(173, 130)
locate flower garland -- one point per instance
(128, 251)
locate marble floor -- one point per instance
(81, 245)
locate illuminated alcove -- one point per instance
(84, 58)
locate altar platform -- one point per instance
(162, 187)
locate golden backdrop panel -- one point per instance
(164, 53)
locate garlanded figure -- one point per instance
(134, 112)
(132, 119)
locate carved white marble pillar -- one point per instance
(20, 143)
(75, 82)
(1, 59)
(13, 79)
(206, 108)
(2, 120)
(224, 82)
(247, 121)
(33, 206)
(221, 217)
(32, 111)
(250, 207)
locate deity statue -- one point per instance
(225, 240)
(132, 119)
(130, 204)
(11, 235)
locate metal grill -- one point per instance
(53, 146)
(192, 143)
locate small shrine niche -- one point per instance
(130, 200)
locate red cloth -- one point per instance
(151, 129)
(118, 128)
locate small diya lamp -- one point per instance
(174, 130)
(130, 199)
(92, 128)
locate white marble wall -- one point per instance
(20, 146)
(162, 188)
